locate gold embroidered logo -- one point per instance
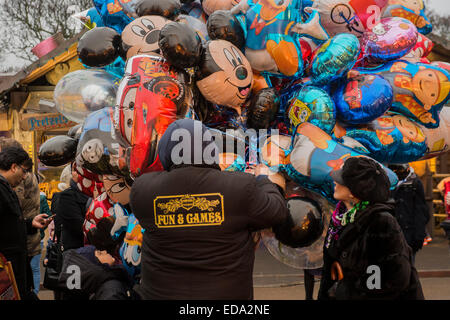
(189, 210)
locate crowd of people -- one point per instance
(371, 226)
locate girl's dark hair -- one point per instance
(14, 154)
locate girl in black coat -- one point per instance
(365, 253)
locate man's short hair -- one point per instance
(9, 142)
(11, 155)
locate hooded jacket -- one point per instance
(199, 222)
(374, 240)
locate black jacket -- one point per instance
(373, 239)
(198, 231)
(411, 211)
(13, 234)
(70, 211)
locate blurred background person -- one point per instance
(411, 208)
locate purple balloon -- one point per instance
(390, 39)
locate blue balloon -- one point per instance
(313, 105)
(362, 98)
(334, 58)
(420, 90)
(309, 157)
(392, 138)
(112, 14)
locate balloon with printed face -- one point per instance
(349, 16)
(390, 39)
(412, 10)
(362, 98)
(81, 92)
(438, 139)
(334, 58)
(272, 30)
(58, 151)
(151, 96)
(313, 105)
(309, 157)
(97, 150)
(420, 90)
(421, 50)
(390, 138)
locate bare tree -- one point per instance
(28, 22)
(441, 26)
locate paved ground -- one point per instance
(274, 280)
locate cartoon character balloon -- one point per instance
(309, 157)
(272, 29)
(420, 90)
(349, 16)
(151, 96)
(413, 10)
(390, 138)
(390, 39)
(313, 105)
(223, 74)
(362, 98)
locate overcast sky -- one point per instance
(440, 6)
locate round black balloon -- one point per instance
(180, 45)
(75, 131)
(166, 8)
(58, 151)
(99, 47)
(308, 221)
(263, 108)
(223, 25)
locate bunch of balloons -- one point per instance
(324, 79)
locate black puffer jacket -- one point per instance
(373, 239)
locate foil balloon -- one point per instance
(308, 220)
(210, 6)
(263, 108)
(309, 157)
(196, 24)
(420, 90)
(101, 207)
(272, 30)
(194, 9)
(58, 151)
(438, 139)
(421, 50)
(348, 16)
(112, 14)
(390, 39)
(151, 96)
(97, 150)
(309, 257)
(313, 105)
(81, 92)
(334, 58)
(362, 98)
(413, 10)
(390, 139)
(89, 182)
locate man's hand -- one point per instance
(41, 221)
(276, 178)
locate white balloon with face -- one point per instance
(92, 151)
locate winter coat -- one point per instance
(13, 234)
(69, 207)
(373, 240)
(198, 225)
(411, 211)
(102, 281)
(29, 197)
